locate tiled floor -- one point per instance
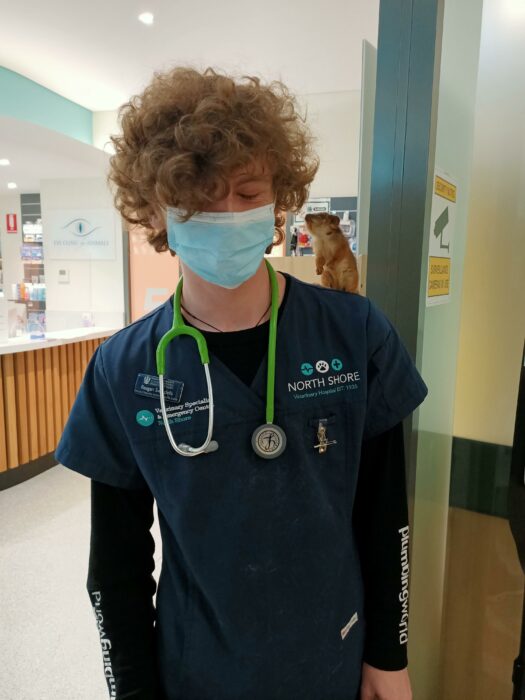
(49, 645)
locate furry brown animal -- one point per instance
(334, 260)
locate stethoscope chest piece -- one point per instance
(269, 441)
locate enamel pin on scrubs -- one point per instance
(268, 440)
(324, 443)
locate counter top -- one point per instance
(72, 335)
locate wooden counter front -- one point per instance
(37, 390)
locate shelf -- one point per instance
(41, 304)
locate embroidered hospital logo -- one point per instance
(326, 383)
(307, 369)
(145, 418)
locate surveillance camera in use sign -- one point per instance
(442, 223)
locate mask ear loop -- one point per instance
(180, 328)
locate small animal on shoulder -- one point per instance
(334, 260)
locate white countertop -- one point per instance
(73, 335)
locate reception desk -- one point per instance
(39, 380)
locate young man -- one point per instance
(278, 472)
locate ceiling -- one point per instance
(37, 153)
(97, 53)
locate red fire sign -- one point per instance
(11, 224)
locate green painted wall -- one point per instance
(26, 100)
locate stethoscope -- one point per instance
(268, 440)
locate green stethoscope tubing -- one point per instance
(180, 328)
(272, 345)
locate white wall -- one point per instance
(104, 124)
(493, 310)
(454, 148)
(95, 286)
(366, 154)
(334, 118)
(335, 121)
(10, 243)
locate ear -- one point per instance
(158, 221)
(334, 220)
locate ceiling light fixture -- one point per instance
(4, 161)
(12, 185)
(146, 18)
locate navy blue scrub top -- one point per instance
(260, 594)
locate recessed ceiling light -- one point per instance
(12, 185)
(146, 18)
(4, 161)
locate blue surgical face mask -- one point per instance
(224, 248)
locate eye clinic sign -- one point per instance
(80, 234)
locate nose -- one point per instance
(226, 204)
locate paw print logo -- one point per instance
(322, 366)
(307, 369)
(337, 364)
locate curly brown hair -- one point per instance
(188, 131)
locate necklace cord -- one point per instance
(215, 327)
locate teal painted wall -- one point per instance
(26, 100)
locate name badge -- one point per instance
(149, 385)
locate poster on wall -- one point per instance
(442, 225)
(80, 234)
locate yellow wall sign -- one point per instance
(438, 277)
(445, 189)
(441, 241)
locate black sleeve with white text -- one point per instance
(121, 589)
(380, 521)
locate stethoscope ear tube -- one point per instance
(160, 354)
(188, 450)
(180, 328)
(272, 343)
